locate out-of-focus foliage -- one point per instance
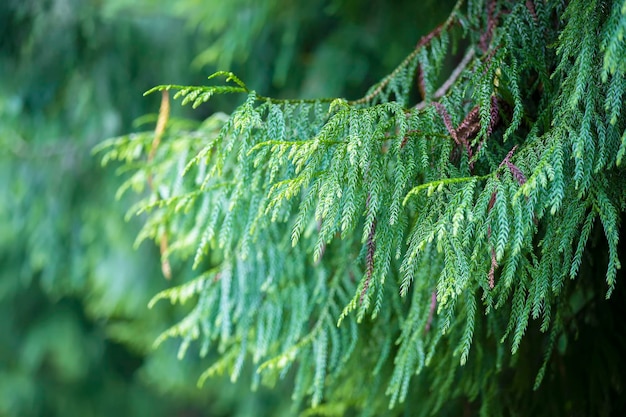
(76, 332)
(308, 49)
(73, 291)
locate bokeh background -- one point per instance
(75, 331)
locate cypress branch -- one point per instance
(518, 150)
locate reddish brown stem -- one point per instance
(164, 114)
(369, 261)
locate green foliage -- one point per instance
(407, 232)
(76, 334)
(73, 293)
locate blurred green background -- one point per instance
(75, 332)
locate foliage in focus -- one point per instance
(77, 335)
(397, 248)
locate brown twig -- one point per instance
(423, 42)
(521, 179)
(456, 73)
(371, 250)
(164, 114)
(491, 276)
(517, 173)
(485, 39)
(431, 310)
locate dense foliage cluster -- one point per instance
(371, 246)
(76, 332)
